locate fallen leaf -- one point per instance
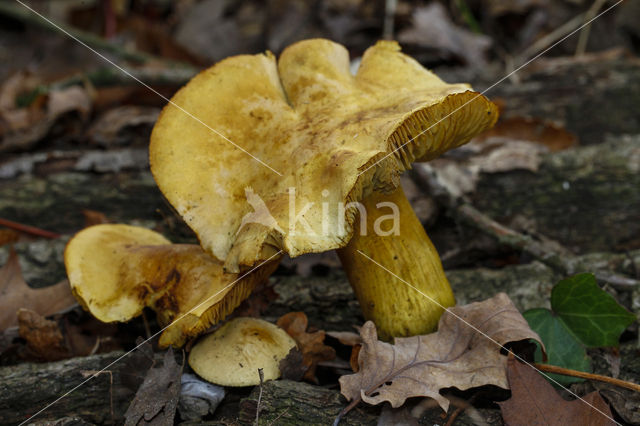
(120, 126)
(44, 338)
(625, 402)
(311, 344)
(533, 130)
(292, 366)
(433, 28)
(457, 355)
(137, 365)
(460, 172)
(93, 217)
(15, 293)
(355, 355)
(27, 126)
(8, 236)
(535, 402)
(214, 29)
(348, 338)
(157, 398)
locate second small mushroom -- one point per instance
(306, 157)
(115, 271)
(233, 354)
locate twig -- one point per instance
(346, 410)
(32, 230)
(261, 375)
(462, 406)
(581, 48)
(389, 18)
(279, 415)
(555, 35)
(95, 373)
(549, 252)
(590, 376)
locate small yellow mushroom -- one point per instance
(232, 355)
(115, 271)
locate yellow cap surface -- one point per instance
(232, 355)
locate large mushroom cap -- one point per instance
(324, 134)
(115, 271)
(232, 355)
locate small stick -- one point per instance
(147, 329)
(462, 406)
(591, 376)
(555, 35)
(584, 33)
(390, 7)
(547, 251)
(261, 374)
(28, 229)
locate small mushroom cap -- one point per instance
(232, 355)
(98, 265)
(327, 132)
(115, 271)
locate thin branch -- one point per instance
(261, 375)
(584, 34)
(389, 18)
(32, 230)
(547, 251)
(590, 376)
(555, 35)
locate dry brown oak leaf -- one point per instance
(157, 397)
(535, 402)
(311, 344)
(44, 338)
(462, 354)
(16, 294)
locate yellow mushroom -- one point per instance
(115, 271)
(232, 355)
(279, 150)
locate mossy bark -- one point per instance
(27, 388)
(588, 198)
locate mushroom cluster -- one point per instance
(291, 156)
(304, 157)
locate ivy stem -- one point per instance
(581, 374)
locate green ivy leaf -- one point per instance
(563, 349)
(589, 312)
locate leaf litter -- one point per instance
(15, 293)
(534, 401)
(157, 398)
(457, 355)
(311, 345)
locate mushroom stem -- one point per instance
(395, 307)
